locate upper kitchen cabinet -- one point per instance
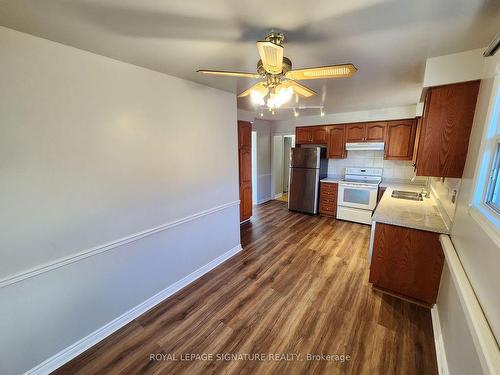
(446, 126)
(311, 135)
(400, 139)
(355, 132)
(366, 132)
(375, 131)
(336, 142)
(303, 135)
(319, 135)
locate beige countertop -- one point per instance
(423, 215)
(332, 179)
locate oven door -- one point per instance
(357, 196)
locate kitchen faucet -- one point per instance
(425, 193)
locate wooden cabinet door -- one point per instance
(375, 131)
(319, 135)
(328, 199)
(355, 132)
(245, 168)
(336, 142)
(446, 127)
(407, 262)
(303, 135)
(400, 139)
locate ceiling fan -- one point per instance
(280, 80)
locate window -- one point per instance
(485, 202)
(493, 190)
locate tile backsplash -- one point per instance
(446, 192)
(397, 169)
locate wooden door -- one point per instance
(336, 142)
(245, 168)
(303, 135)
(446, 126)
(400, 139)
(319, 135)
(355, 132)
(375, 131)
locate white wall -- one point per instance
(479, 254)
(94, 151)
(457, 67)
(263, 129)
(459, 349)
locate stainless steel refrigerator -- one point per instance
(308, 165)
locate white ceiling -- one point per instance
(387, 40)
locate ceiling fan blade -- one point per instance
(271, 55)
(321, 72)
(227, 73)
(299, 89)
(258, 86)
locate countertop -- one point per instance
(332, 179)
(423, 215)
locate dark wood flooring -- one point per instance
(300, 286)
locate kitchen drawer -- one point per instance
(328, 199)
(328, 209)
(329, 188)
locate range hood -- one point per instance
(364, 146)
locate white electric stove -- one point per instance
(357, 196)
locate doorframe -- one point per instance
(274, 173)
(254, 167)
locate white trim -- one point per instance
(277, 196)
(484, 341)
(87, 342)
(439, 343)
(264, 200)
(108, 246)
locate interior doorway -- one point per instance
(282, 144)
(287, 146)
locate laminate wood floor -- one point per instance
(299, 287)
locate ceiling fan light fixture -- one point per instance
(272, 56)
(257, 97)
(295, 112)
(322, 113)
(283, 95)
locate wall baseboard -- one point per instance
(439, 343)
(87, 342)
(108, 246)
(264, 200)
(277, 196)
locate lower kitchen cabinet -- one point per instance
(328, 198)
(407, 263)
